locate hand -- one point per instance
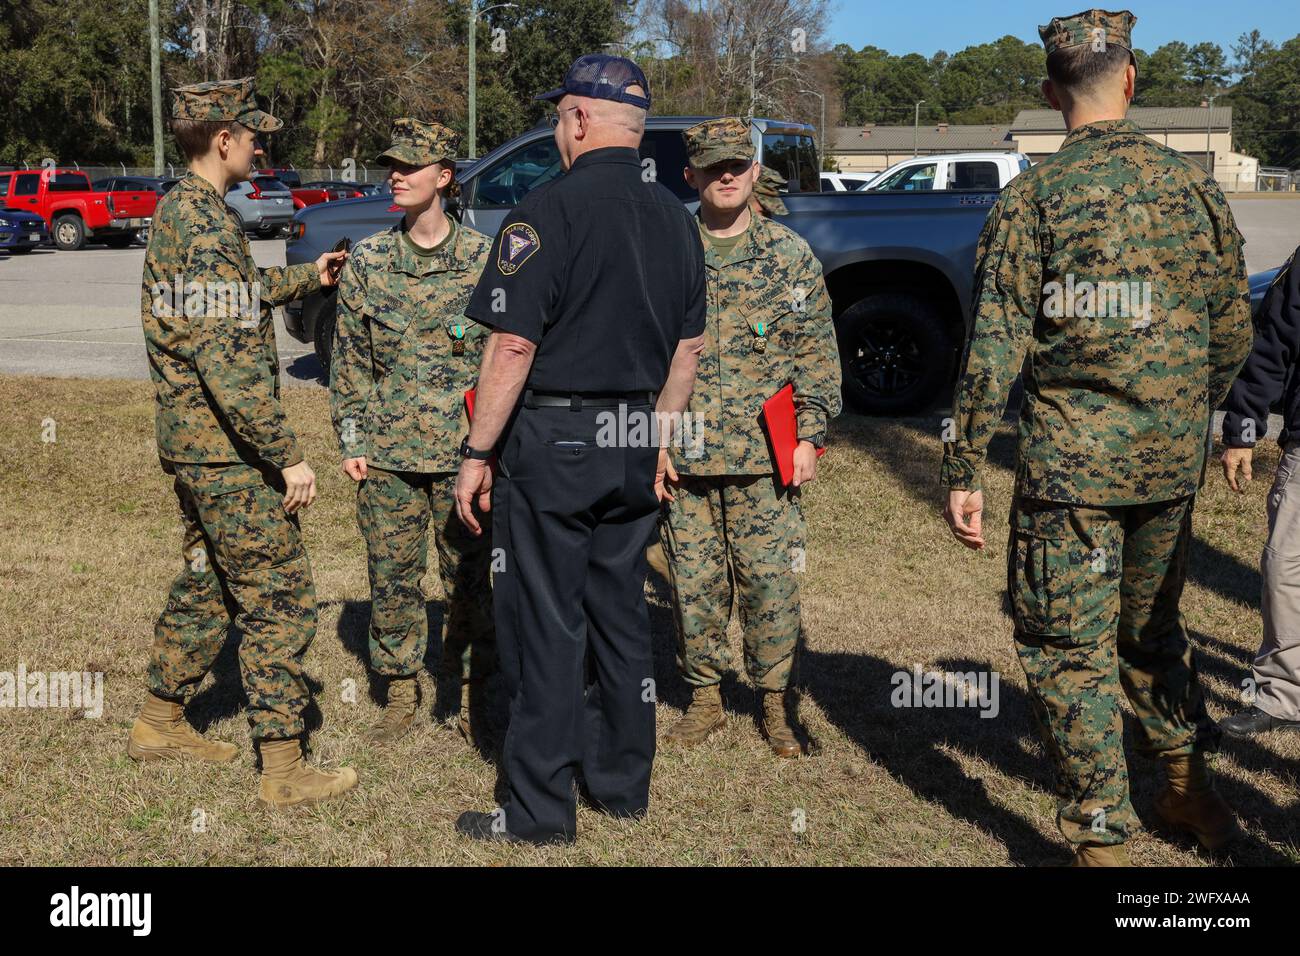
(328, 267)
(965, 516)
(1233, 459)
(355, 468)
(474, 480)
(300, 487)
(805, 463)
(665, 474)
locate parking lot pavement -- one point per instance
(78, 313)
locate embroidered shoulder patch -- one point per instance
(518, 243)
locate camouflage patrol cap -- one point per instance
(768, 191)
(1095, 28)
(716, 141)
(221, 101)
(419, 143)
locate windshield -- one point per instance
(911, 178)
(793, 156)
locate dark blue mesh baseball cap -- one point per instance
(603, 77)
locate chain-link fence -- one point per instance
(364, 174)
(1278, 179)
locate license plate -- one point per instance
(35, 237)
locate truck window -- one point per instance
(4, 186)
(26, 184)
(512, 178)
(981, 175)
(668, 151)
(793, 157)
(289, 177)
(911, 178)
(69, 183)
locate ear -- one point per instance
(1049, 92)
(444, 178)
(1130, 81)
(688, 174)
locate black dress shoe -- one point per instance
(491, 827)
(1248, 723)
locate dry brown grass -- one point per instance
(90, 545)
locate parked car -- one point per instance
(336, 189)
(159, 185)
(846, 182)
(264, 204)
(286, 174)
(951, 171)
(21, 231)
(73, 211)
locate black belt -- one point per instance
(575, 401)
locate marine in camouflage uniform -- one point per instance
(733, 530)
(767, 193)
(1120, 382)
(404, 357)
(223, 435)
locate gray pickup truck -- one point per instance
(898, 265)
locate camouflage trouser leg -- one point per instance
(1095, 595)
(738, 536)
(394, 511)
(469, 647)
(252, 555)
(393, 514)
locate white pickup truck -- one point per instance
(985, 171)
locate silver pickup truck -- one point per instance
(898, 265)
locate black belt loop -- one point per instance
(529, 400)
(575, 402)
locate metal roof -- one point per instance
(931, 138)
(1152, 119)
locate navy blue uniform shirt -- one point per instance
(604, 270)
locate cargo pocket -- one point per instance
(389, 318)
(250, 529)
(1040, 580)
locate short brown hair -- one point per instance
(194, 137)
(1079, 70)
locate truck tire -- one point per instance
(895, 353)
(323, 335)
(69, 232)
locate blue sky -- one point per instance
(927, 26)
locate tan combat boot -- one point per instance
(287, 780)
(399, 712)
(776, 726)
(1191, 803)
(1094, 854)
(162, 731)
(702, 718)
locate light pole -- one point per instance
(821, 139)
(474, 14)
(1209, 153)
(916, 129)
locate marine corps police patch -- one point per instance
(518, 242)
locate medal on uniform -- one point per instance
(458, 343)
(760, 340)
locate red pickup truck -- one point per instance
(74, 211)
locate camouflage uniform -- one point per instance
(1113, 432)
(222, 433)
(767, 192)
(731, 526)
(404, 356)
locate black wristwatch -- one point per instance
(472, 453)
(817, 441)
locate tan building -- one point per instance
(1039, 133)
(872, 148)
(1195, 131)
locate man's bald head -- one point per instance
(587, 122)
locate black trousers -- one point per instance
(573, 630)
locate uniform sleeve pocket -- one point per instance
(1038, 570)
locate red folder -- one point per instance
(469, 404)
(783, 432)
